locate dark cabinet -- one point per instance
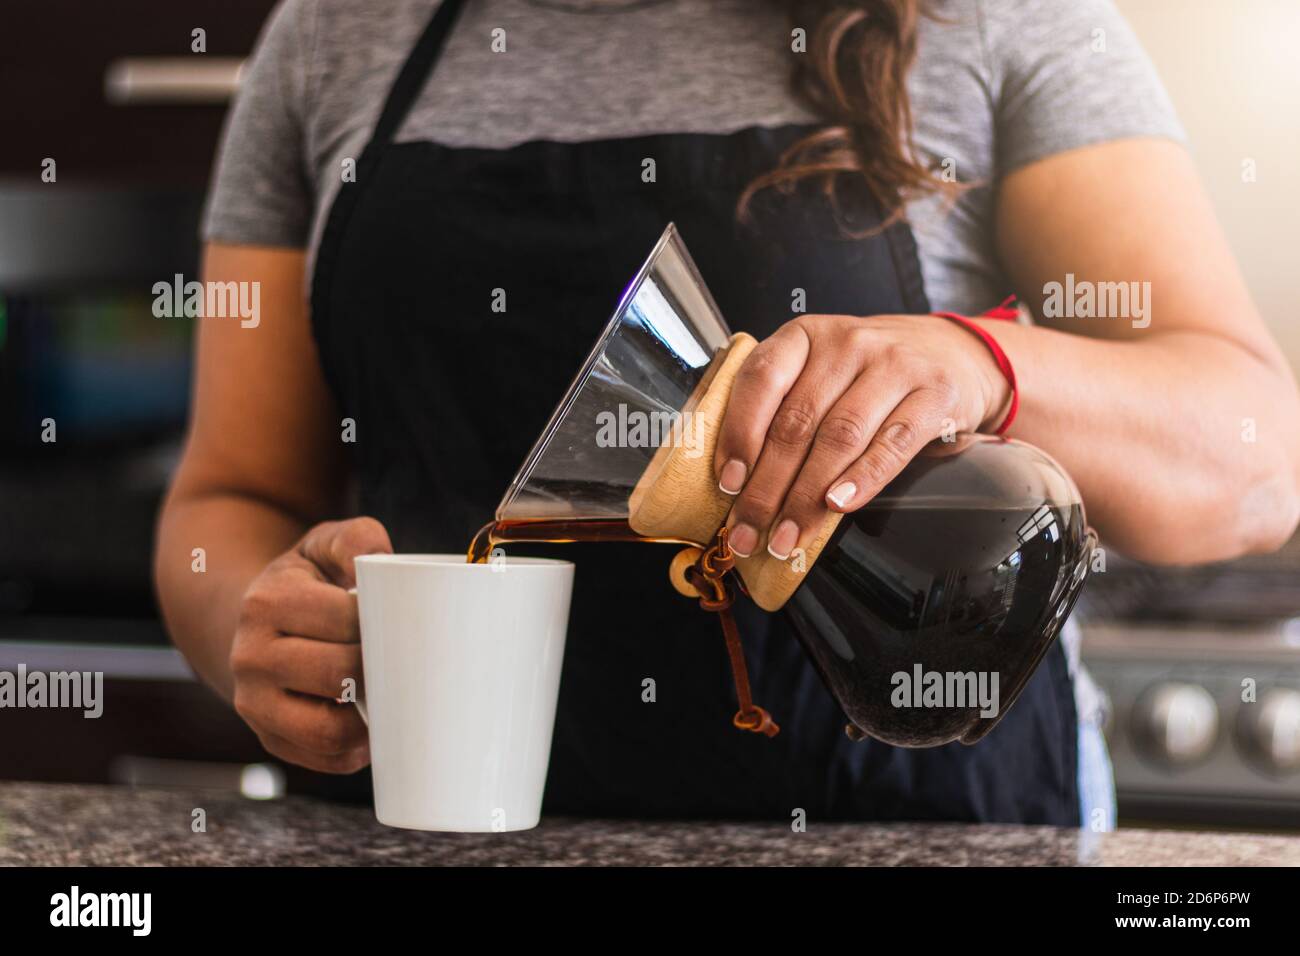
(53, 101)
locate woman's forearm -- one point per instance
(200, 592)
(1185, 446)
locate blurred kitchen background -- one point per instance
(132, 116)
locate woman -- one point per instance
(391, 171)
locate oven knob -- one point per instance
(1270, 729)
(1177, 723)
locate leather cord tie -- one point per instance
(709, 577)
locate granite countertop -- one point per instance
(61, 824)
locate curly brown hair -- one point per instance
(854, 74)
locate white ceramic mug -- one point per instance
(462, 673)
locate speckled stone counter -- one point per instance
(43, 824)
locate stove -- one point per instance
(1202, 670)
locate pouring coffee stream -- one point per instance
(924, 613)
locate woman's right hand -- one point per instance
(298, 641)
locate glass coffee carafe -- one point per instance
(925, 613)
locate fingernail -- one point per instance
(783, 540)
(842, 494)
(732, 478)
(743, 539)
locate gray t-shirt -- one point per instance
(997, 84)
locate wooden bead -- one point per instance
(682, 560)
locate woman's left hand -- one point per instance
(829, 409)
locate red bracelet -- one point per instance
(1007, 312)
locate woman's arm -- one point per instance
(1184, 436)
(257, 468)
(1181, 426)
(268, 622)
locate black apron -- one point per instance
(448, 395)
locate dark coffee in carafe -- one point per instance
(925, 622)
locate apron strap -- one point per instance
(419, 64)
(410, 80)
